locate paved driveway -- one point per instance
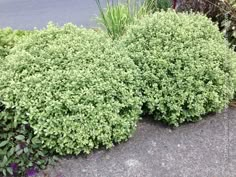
(27, 14)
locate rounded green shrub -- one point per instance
(75, 88)
(9, 38)
(187, 68)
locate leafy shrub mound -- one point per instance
(222, 12)
(20, 151)
(8, 39)
(76, 90)
(187, 68)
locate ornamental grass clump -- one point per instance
(186, 66)
(118, 15)
(77, 91)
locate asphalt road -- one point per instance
(27, 14)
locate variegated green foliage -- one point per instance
(8, 39)
(187, 68)
(20, 150)
(77, 91)
(223, 12)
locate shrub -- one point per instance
(222, 12)
(77, 91)
(20, 150)
(187, 69)
(8, 39)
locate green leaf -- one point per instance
(20, 137)
(3, 143)
(26, 150)
(10, 170)
(11, 152)
(17, 147)
(4, 172)
(19, 152)
(4, 162)
(30, 164)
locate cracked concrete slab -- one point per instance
(203, 149)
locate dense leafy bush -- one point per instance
(8, 38)
(76, 90)
(20, 152)
(222, 12)
(186, 66)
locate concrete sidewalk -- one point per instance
(203, 149)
